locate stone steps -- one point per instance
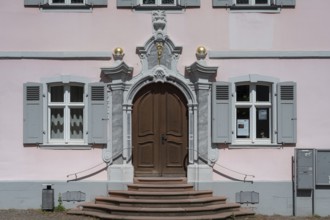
(161, 199)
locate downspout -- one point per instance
(293, 187)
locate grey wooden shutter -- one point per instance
(126, 3)
(222, 3)
(97, 2)
(32, 113)
(286, 3)
(190, 3)
(34, 2)
(221, 112)
(97, 113)
(286, 113)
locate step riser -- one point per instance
(164, 197)
(160, 189)
(160, 181)
(159, 214)
(153, 205)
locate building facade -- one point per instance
(227, 93)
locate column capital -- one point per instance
(119, 73)
(199, 72)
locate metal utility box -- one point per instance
(47, 198)
(305, 168)
(322, 168)
(247, 197)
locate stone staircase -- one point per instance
(161, 199)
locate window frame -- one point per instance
(253, 105)
(158, 3)
(252, 3)
(61, 80)
(138, 5)
(66, 105)
(273, 6)
(36, 111)
(66, 3)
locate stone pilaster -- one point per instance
(116, 78)
(202, 77)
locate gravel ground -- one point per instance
(32, 214)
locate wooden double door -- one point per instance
(160, 124)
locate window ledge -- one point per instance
(66, 146)
(153, 8)
(253, 146)
(82, 8)
(270, 9)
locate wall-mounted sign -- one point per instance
(243, 127)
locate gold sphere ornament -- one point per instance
(118, 51)
(201, 50)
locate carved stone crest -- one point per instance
(159, 75)
(159, 25)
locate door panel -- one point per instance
(159, 131)
(145, 140)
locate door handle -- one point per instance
(163, 138)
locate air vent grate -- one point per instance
(97, 93)
(287, 92)
(33, 93)
(222, 92)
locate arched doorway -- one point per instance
(159, 131)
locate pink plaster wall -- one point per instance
(30, 29)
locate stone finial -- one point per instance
(201, 53)
(159, 24)
(118, 53)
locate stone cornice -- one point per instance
(200, 73)
(118, 73)
(56, 55)
(269, 54)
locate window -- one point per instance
(252, 2)
(254, 110)
(264, 4)
(158, 2)
(65, 111)
(164, 4)
(253, 117)
(67, 2)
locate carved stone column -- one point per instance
(202, 77)
(116, 77)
